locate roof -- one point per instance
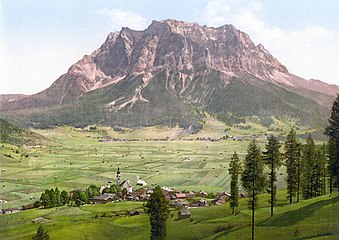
(141, 182)
(180, 195)
(185, 212)
(106, 196)
(126, 184)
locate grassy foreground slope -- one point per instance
(312, 219)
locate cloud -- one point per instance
(119, 18)
(308, 52)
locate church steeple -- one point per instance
(118, 176)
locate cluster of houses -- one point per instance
(178, 199)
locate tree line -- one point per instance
(54, 198)
(308, 167)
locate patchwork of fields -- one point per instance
(76, 158)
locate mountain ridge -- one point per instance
(187, 56)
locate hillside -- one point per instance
(12, 134)
(311, 219)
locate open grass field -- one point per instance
(310, 219)
(75, 158)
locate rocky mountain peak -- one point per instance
(177, 46)
(189, 58)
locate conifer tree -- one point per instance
(253, 178)
(41, 234)
(332, 130)
(272, 158)
(234, 171)
(57, 198)
(320, 171)
(64, 197)
(158, 210)
(309, 171)
(331, 164)
(293, 165)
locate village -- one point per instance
(177, 199)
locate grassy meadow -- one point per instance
(310, 219)
(75, 158)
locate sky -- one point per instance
(41, 39)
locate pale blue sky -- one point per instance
(40, 39)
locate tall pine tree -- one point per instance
(272, 158)
(253, 178)
(309, 171)
(293, 165)
(320, 171)
(234, 171)
(331, 164)
(158, 210)
(332, 130)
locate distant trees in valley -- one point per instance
(54, 198)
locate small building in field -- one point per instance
(183, 214)
(141, 182)
(135, 212)
(10, 210)
(28, 206)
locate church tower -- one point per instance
(118, 177)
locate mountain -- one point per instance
(11, 97)
(169, 74)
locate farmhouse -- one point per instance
(203, 194)
(180, 195)
(104, 198)
(184, 213)
(10, 210)
(28, 206)
(199, 203)
(179, 204)
(190, 194)
(135, 212)
(141, 183)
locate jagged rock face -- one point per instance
(186, 48)
(171, 46)
(196, 64)
(175, 46)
